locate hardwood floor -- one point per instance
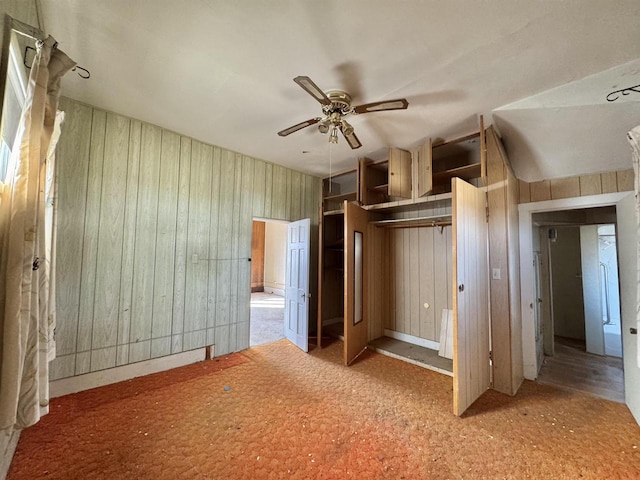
(573, 368)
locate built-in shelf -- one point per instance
(466, 172)
(333, 212)
(431, 221)
(380, 188)
(418, 202)
(337, 245)
(341, 196)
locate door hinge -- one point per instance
(487, 211)
(491, 356)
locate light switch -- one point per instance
(194, 258)
(496, 274)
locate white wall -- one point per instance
(275, 251)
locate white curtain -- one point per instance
(27, 234)
(634, 140)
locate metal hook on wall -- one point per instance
(78, 69)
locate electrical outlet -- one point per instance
(496, 274)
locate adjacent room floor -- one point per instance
(267, 318)
(573, 368)
(275, 412)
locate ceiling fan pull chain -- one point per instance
(330, 182)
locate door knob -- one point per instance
(461, 287)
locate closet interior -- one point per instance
(409, 233)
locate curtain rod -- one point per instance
(37, 34)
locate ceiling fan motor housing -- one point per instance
(340, 102)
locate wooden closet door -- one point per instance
(471, 368)
(356, 319)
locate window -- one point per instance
(14, 97)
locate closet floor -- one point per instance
(415, 354)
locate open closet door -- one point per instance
(627, 239)
(471, 368)
(356, 319)
(296, 295)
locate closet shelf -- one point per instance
(466, 172)
(398, 204)
(432, 221)
(342, 196)
(380, 188)
(333, 212)
(337, 245)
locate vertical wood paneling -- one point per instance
(259, 179)
(246, 208)
(181, 256)
(296, 192)
(609, 182)
(166, 236)
(540, 191)
(198, 238)
(91, 226)
(146, 227)
(565, 188)
(213, 236)
(110, 236)
(227, 175)
(414, 281)
(128, 241)
(279, 193)
(139, 202)
(525, 196)
(73, 166)
(268, 191)
(625, 180)
(427, 284)
(590, 185)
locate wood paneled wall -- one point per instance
(418, 272)
(154, 240)
(504, 255)
(608, 182)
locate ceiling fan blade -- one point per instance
(299, 126)
(399, 104)
(312, 89)
(352, 140)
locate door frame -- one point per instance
(527, 278)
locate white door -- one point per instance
(296, 295)
(591, 290)
(628, 278)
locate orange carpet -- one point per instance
(274, 412)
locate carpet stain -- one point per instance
(274, 412)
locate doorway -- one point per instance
(268, 267)
(577, 305)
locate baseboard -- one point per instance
(8, 444)
(275, 291)
(423, 342)
(66, 386)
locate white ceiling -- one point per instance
(221, 71)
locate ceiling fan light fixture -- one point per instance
(323, 126)
(333, 138)
(347, 129)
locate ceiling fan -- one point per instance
(336, 104)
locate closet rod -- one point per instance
(433, 221)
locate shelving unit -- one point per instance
(338, 188)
